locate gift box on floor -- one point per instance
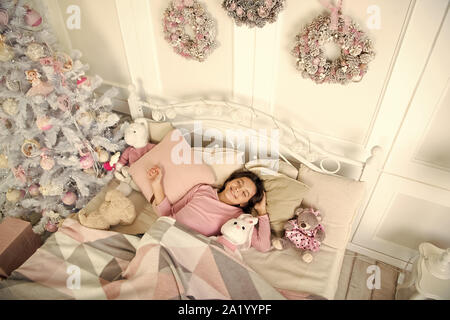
(17, 243)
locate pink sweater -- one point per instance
(201, 210)
(132, 154)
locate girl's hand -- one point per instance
(155, 175)
(260, 207)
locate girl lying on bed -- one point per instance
(205, 209)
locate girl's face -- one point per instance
(239, 191)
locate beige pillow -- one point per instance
(283, 196)
(277, 165)
(337, 198)
(223, 161)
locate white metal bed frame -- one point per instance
(236, 116)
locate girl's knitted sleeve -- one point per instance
(261, 234)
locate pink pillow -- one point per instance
(180, 172)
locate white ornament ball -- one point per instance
(69, 198)
(85, 119)
(3, 162)
(157, 115)
(47, 163)
(14, 195)
(6, 52)
(10, 106)
(171, 114)
(51, 189)
(12, 85)
(35, 51)
(34, 190)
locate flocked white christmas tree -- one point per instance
(55, 132)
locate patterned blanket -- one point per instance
(169, 262)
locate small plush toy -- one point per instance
(111, 164)
(116, 209)
(304, 233)
(38, 87)
(237, 233)
(136, 136)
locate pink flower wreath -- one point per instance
(189, 12)
(356, 49)
(253, 12)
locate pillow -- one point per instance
(158, 130)
(337, 198)
(276, 165)
(283, 196)
(223, 161)
(180, 170)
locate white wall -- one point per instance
(122, 40)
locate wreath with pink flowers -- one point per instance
(182, 14)
(356, 50)
(253, 12)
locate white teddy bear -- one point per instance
(136, 136)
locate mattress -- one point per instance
(283, 269)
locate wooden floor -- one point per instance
(353, 281)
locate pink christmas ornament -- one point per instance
(63, 103)
(34, 190)
(47, 61)
(86, 161)
(69, 198)
(32, 18)
(43, 123)
(51, 227)
(4, 17)
(19, 174)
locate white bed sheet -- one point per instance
(285, 269)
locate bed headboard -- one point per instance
(291, 144)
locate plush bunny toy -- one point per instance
(237, 233)
(304, 233)
(136, 136)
